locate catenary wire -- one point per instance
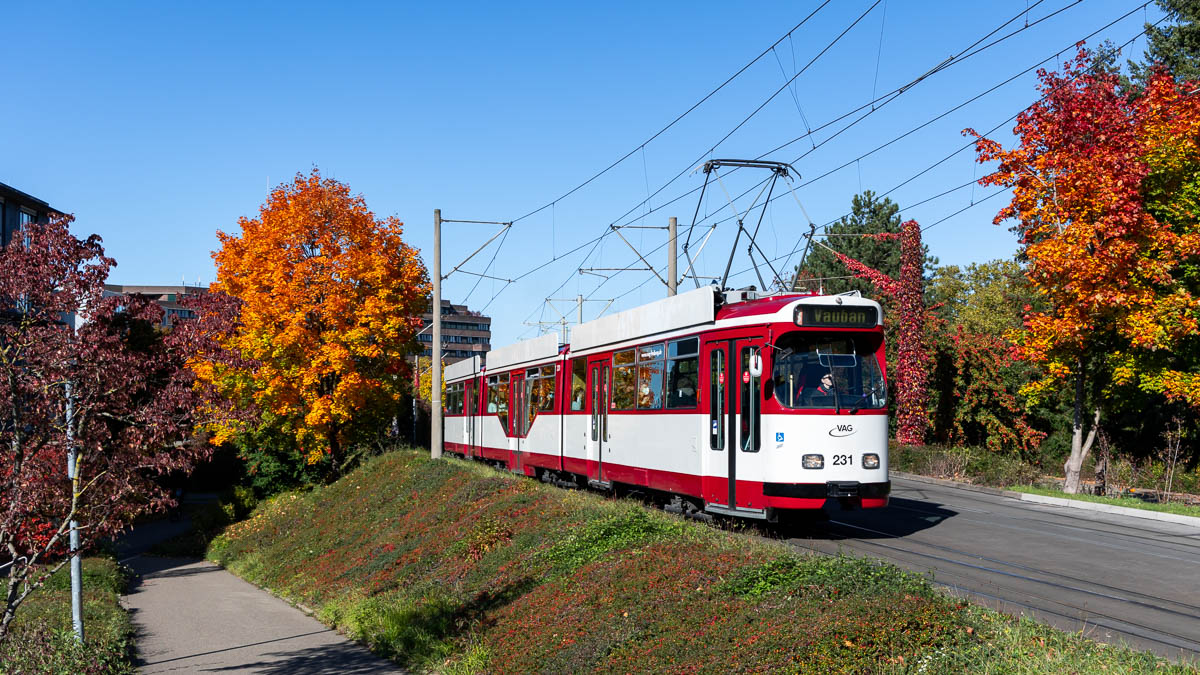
(967, 53)
(680, 117)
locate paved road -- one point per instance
(1116, 578)
(193, 617)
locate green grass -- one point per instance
(452, 567)
(1130, 502)
(41, 640)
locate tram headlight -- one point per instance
(870, 461)
(813, 461)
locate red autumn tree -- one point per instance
(132, 402)
(1104, 194)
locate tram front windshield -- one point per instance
(815, 370)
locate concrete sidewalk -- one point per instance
(192, 616)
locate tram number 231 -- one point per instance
(843, 460)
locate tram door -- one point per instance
(599, 375)
(465, 411)
(518, 421)
(735, 419)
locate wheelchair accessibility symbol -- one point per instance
(779, 437)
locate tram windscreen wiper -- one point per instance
(866, 397)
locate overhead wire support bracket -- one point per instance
(485, 244)
(486, 276)
(640, 256)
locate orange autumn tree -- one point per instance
(331, 299)
(1105, 195)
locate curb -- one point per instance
(956, 484)
(1056, 501)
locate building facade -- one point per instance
(465, 333)
(19, 210)
(170, 298)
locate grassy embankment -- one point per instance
(41, 640)
(450, 566)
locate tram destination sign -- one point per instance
(836, 316)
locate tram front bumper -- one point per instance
(833, 488)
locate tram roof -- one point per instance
(525, 351)
(464, 368)
(672, 313)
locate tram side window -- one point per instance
(578, 383)
(683, 366)
(546, 400)
(716, 399)
(539, 392)
(650, 377)
(624, 381)
(453, 399)
(498, 397)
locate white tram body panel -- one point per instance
(742, 405)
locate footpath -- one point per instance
(191, 616)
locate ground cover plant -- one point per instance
(450, 566)
(41, 641)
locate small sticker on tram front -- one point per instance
(778, 436)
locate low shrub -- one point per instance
(976, 465)
(41, 638)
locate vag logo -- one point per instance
(841, 430)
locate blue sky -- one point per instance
(157, 124)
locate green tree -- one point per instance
(985, 299)
(868, 215)
(975, 383)
(1175, 46)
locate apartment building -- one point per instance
(18, 210)
(465, 333)
(170, 298)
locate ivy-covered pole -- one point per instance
(912, 365)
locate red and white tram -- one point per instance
(731, 403)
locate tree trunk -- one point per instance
(335, 451)
(1080, 447)
(10, 603)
